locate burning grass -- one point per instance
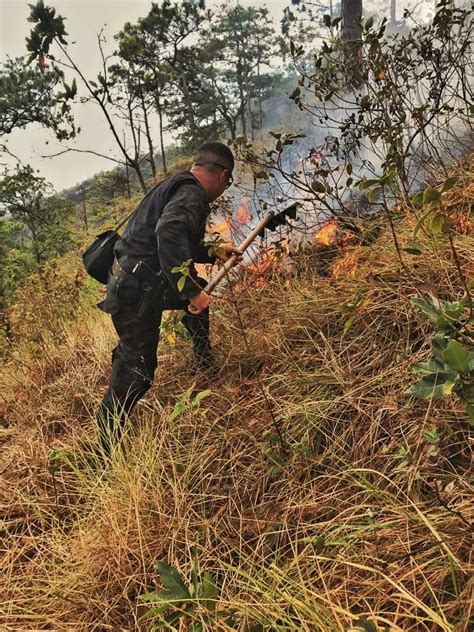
(365, 518)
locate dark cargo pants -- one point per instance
(136, 308)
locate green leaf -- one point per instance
(200, 396)
(413, 247)
(178, 410)
(449, 183)
(181, 282)
(456, 357)
(431, 196)
(172, 580)
(466, 392)
(454, 309)
(171, 618)
(373, 194)
(438, 345)
(431, 366)
(318, 186)
(421, 221)
(470, 414)
(433, 386)
(210, 592)
(389, 176)
(428, 309)
(348, 324)
(194, 579)
(366, 184)
(417, 199)
(437, 224)
(166, 597)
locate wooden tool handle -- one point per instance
(230, 263)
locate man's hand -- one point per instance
(225, 252)
(199, 302)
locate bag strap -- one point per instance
(124, 221)
(171, 192)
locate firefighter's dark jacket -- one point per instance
(167, 229)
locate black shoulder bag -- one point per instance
(98, 258)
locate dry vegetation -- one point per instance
(343, 528)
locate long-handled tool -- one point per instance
(269, 222)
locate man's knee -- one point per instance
(132, 374)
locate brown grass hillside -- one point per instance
(364, 524)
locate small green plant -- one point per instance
(185, 271)
(405, 457)
(450, 368)
(186, 400)
(302, 446)
(216, 245)
(432, 435)
(351, 309)
(433, 220)
(197, 599)
(271, 449)
(172, 329)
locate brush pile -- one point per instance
(361, 520)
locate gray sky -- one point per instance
(84, 19)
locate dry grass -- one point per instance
(336, 531)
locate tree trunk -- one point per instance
(231, 123)
(393, 14)
(151, 159)
(259, 89)
(189, 105)
(351, 11)
(136, 167)
(162, 143)
(84, 210)
(34, 242)
(127, 176)
(240, 83)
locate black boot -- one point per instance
(198, 327)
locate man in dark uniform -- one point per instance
(166, 231)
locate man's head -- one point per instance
(213, 166)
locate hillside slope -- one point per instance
(362, 520)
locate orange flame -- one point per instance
(244, 216)
(328, 234)
(268, 260)
(347, 266)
